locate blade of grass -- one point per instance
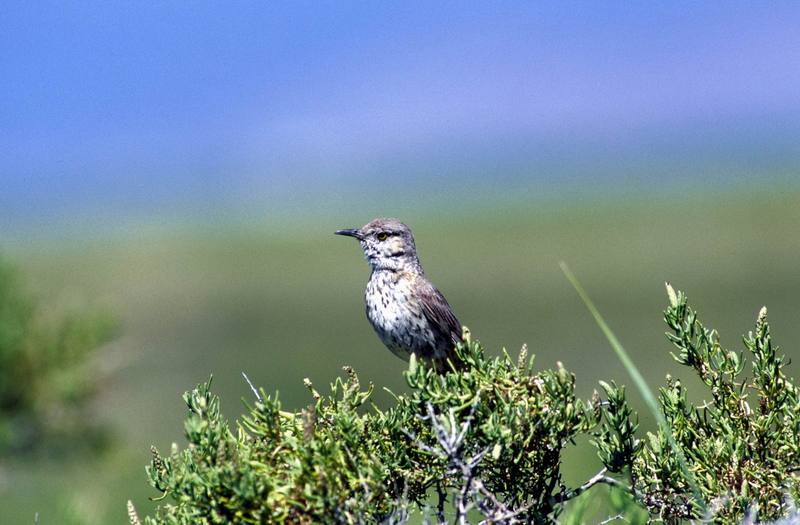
(639, 381)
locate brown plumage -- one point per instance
(406, 310)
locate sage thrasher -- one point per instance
(407, 312)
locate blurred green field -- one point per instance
(284, 302)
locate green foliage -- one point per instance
(489, 438)
(742, 444)
(296, 468)
(522, 417)
(486, 442)
(616, 440)
(45, 382)
(649, 399)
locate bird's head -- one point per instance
(387, 244)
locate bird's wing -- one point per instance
(438, 313)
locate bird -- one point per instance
(409, 314)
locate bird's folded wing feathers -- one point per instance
(438, 312)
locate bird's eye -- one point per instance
(382, 236)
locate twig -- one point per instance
(600, 477)
(450, 436)
(442, 495)
(255, 392)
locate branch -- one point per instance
(255, 392)
(600, 477)
(450, 436)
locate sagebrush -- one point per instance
(485, 443)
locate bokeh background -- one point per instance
(184, 166)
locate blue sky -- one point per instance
(155, 105)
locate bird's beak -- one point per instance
(350, 233)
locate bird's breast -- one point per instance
(390, 300)
(396, 313)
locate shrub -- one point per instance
(489, 438)
(486, 443)
(742, 445)
(45, 380)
